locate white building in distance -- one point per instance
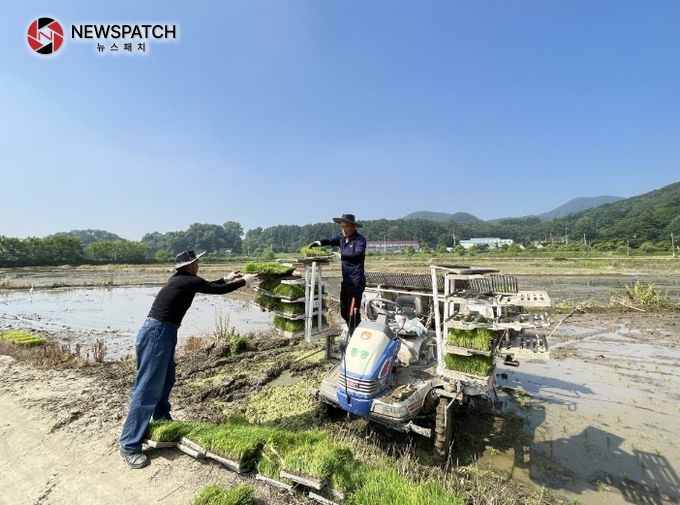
(491, 242)
(391, 245)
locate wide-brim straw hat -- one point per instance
(347, 218)
(186, 258)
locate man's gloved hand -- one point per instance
(249, 278)
(236, 274)
(316, 243)
(335, 256)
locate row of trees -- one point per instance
(63, 249)
(647, 222)
(225, 239)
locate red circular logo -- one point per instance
(45, 35)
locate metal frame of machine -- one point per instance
(400, 378)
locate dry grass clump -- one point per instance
(194, 344)
(648, 297)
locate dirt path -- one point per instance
(58, 438)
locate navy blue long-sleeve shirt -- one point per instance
(175, 298)
(352, 254)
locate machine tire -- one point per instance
(443, 431)
(326, 411)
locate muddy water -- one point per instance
(115, 314)
(596, 287)
(604, 414)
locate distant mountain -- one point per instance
(458, 217)
(650, 216)
(577, 205)
(571, 207)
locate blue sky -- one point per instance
(270, 112)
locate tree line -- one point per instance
(648, 223)
(228, 241)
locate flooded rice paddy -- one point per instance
(81, 316)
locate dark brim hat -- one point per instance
(186, 258)
(347, 218)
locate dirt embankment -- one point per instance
(59, 431)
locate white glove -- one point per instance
(249, 278)
(236, 274)
(335, 256)
(316, 243)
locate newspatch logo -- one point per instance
(45, 35)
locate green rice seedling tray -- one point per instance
(269, 269)
(317, 484)
(191, 448)
(294, 325)
(310, 253)
(475, 365)
(478, 339)
(234, 466)
(266, 301)
(321, 499)
(290, 291)
(234, 442)
(273, 482)
(159, 445)
(168, 431)
(465, 351)
(268, 284)
(285, 294)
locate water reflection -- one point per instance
(115, 314)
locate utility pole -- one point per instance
(566, 236)
(673, 244)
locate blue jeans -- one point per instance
(155, 348)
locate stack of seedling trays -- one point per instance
(283, 294)
(469, 357)
(284, 459)
(234, 445)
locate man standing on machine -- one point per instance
(352, 254)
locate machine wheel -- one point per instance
(326, 411)
(443, 430)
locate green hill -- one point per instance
(458, 217)
(577, 205)
(648, 217)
